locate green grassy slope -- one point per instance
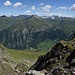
(11, 58)
(23, 54)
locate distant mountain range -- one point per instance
(32, 31)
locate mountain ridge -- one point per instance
(32, 31)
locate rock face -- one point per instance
(60, 60)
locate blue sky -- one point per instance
(38, 7)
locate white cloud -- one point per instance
(38, 13)
(41, 4)
(7, 3)
(33, 8)
(17, 4)
(64, 8)
(28, 11)
(73, 7)
(46, 8)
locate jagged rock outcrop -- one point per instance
(60, 60)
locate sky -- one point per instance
(65, 8)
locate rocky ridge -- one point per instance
(60, 60)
